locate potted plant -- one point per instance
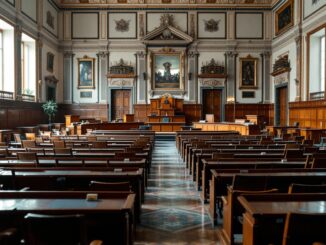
(50, 108)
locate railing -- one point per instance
(6, 95)
(317, 95)
(26, 97)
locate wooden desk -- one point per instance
(166, 127)
(113, 211)
(278, 131)
(229, 126)
(5, 135)
(82, 128)
(264, 217)
(313, 134)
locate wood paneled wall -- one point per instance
(19, 113)
(308, 113)
(97, 111)
(141, 112)
(240, 110)
(193, 112)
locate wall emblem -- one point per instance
(314, 2)
(211, 25)
(122, 25)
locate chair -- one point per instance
(27, 156)
(63, 151)
(28, 143)
(30, 136)
(110, 186)
(99, 144)
(17, 138)
(43, 229)
(59, 144)
(301, 188)
(293, 153)
(319, 162)
(304, 228)
(292, 146)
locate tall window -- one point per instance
(316, 69)
(7, 66)
(322, 63)
(1, 58)
(28, 65)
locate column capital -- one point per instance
(265, 54)
(140, 54)
(193, 54)
(68, 54)
(103, 54)
(231, 54)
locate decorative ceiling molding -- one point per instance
(127, 3)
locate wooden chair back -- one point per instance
(304, 228)
(99, 144)
(302, 188)
(63, 151)
(59, 144)
(17, 138)
(319, 162)
(110, 186)
(55, 229)
(30, 136)
(28, 143)
(27, 156)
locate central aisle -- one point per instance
(173, 212)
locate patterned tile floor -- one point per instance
(173, 212)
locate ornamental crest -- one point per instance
(211, 25)
(122, 25)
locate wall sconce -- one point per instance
(144, 75)
(190, 76)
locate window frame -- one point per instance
(309, 34)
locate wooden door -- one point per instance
(281, 106)
(120, 103)
(212, 99)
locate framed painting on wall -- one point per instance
(166, 71)
(49, 61)
(248, 72)
(86, 73)
(284, 17)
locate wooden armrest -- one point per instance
(224, 200)
(25, 189)
(96, 242)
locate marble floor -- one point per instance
(173, 212)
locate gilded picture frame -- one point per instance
(284, 18)
(248, 72)
(167, 71)
(86, 76)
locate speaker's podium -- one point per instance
(166, 114)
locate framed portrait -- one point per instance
(284, 17)
(248, 72)
(167, 71)
(49, 61)
(86, 73)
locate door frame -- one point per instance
(277, 115)
(222, 90)
(132, 98)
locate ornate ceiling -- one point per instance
(104, 3)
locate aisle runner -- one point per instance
(173, 212)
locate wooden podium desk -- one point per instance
(166, 127)
(243, 129)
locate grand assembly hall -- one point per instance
(162, 122)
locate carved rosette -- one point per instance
(118, 82)
(211, 83)
(282, 78)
